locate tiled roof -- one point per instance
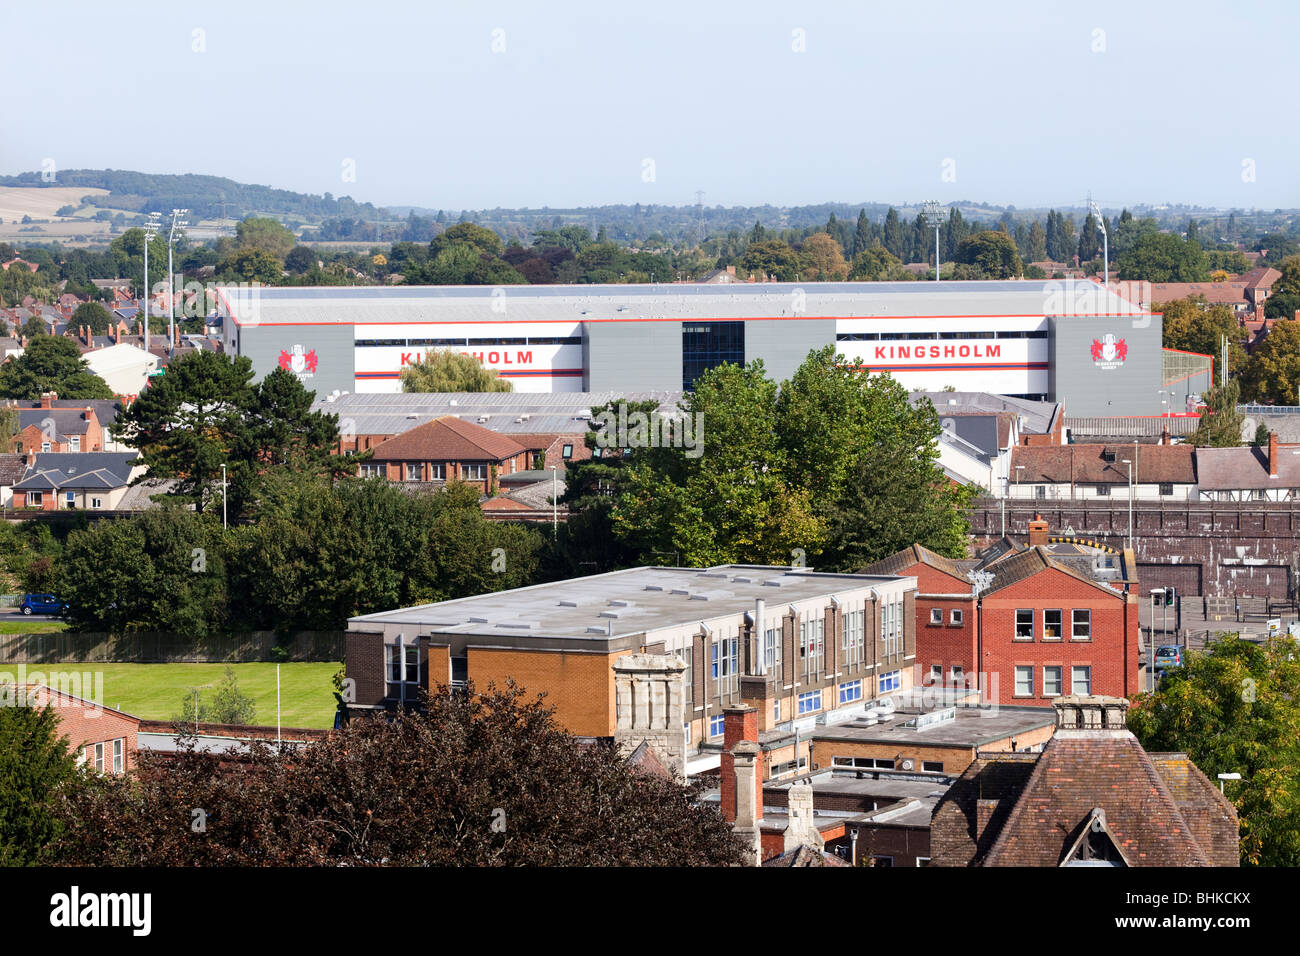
(806, 856)
(67, 421)
(1084, 464)
(12, 469)
(1082, 771)
(1025, 564)
(448, 439)
(1231, 469)
(916, 554)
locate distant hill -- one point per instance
(203, 196)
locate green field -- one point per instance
(32, 625)
(154, 691)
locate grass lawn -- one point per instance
(31, 625)
(154, 691)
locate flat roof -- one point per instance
(620, 603)
(379, 305)
(875, 784)
(973, 726)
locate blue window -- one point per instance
(716, 725)
(891, 681)
(810, 701)
(850, 692)
(706, 345)
(776, 709)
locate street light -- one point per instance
(177, 223)
(223, 496)
(555, 505)
(1227, 776)
(1105, 241)
(1129, 462)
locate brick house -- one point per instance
(447, 449)
(1044, 621)
(102, 738)
(1093, 797)
(87, 481)
(61, 430)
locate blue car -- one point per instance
(1171, 655)
(41, 604)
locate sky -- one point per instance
(478, 105)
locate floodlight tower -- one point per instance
(177, 223)
(150, 231)
(1105, 241)
(933, 214)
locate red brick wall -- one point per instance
(1113, 673)
(945, 644)
(86, 725)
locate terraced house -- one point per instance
(797, 646)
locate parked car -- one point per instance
(41, 604)
(1171, 655)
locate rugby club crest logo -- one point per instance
(299, 362)
(1109, 351)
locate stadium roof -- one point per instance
(383, 305)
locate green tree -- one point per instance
(861, 235)
(301, 259)
(230, 705)
(1220, 423)
(484, 241)
(993, 253)
(1236, 709)
(265, 234)
(877, 264)
(36, 767)
(251, 264)
(1284, 301)
(445, 370)
(50, 364)
(1162, 257)
(1036, 247)
(894, 240)
(1272, 375)
(824, 258)
(94, 316)
(730, 503)
(1193, 325)
(771, 257)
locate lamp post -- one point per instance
(1227, 776)
(1105, 242)
(555, 505)
(177, 223)
(223, 496)
(150, 231)
(1129, 462)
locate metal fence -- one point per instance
(168, 648)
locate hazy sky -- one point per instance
(454, 105)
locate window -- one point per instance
(717, 725)
(955, 617)
(567, 452)
(709, 344)
(891, 630)
(776, 710)
(1081, 680)
(855, 626)
(957, 673)
(1024, 681)
(932, 766)
(789, 766)
(76, 442)
(473, 472)
(687, 728)
(772, 651)
(438, 471)
(118, 755)
(45, 446)
(936, 673)
(891, 681)
(1040, 491)
(96, 502)
(812, 645)
(725, 660)
(1052, 625)
(1082, 630)
(1166, 488)
(98, 760)
(71, 498)
(1051, 681)
(36, 498)
(882, 861)
(851, 691)
(687, 654)
(413, 472)
(810, 702)
(1103, 491)
(403, 671)
(936, 615)
(863, 763)
(372, 471)
(1024, 625)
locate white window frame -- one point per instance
(812, 646)
(399, 659)
(1060, 679)
(1025, 671)
(96, 502)
(75, 441)
(474, 472)
(936, 673)
(956, 619)
(98, 760)
(718, 721)
(936, 615)
(1074, 678)
(1087, 624)
(772, 650)
(809, 702)
(1060, 623)
(1016, 634)
(413, 471)
(438, 471)
(891, 682)
(119, 755)
(850, 691)
(855, 623)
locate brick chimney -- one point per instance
(1272, 454)
(738, 724)
(48, 399)
(1037, 531)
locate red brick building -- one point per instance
(103, 739)
(1041, 623)
(57, 429)
(447, 449)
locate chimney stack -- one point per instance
(649, 701)
(802, 828)
(48, 399)
(738, 724)
(1272, 454)
(748, 814)
(1037, 531)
